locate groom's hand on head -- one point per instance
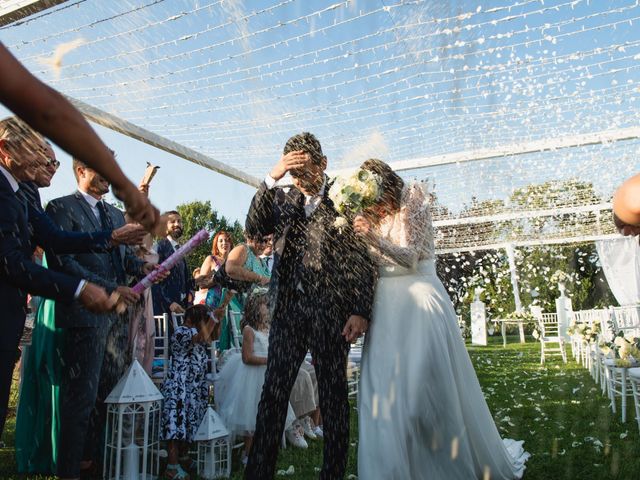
(291, 161)
(354, 328)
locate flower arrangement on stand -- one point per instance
(626, 350)
(561, 278)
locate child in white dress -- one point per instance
(239, 384)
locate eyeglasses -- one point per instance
(52, 163)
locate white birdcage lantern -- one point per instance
(133, 428)
(214, 447)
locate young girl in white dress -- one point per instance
(422, 414)
(239, 384)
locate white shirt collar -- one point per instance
(172, 241)
(320, 193)
(92, 201)
(10, 178)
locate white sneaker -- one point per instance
(307, 426)
(295, 439)
(317, 431)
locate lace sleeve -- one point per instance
(407, 238)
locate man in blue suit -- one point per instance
(171, 295)
(21, 153)
(83, 353)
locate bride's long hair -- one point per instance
(392, 184)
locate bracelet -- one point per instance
(83, 287)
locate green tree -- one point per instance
(198, 215)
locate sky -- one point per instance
(389, 79)
(177, 181)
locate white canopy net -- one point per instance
(522, 115)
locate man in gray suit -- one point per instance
(85, 332)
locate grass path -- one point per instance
(557, 410)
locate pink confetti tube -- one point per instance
(197, 239)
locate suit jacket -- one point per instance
(176, 287)
(73, 214)
(57, 241)
(332, 266)
(18, 274)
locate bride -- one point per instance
(422, 414)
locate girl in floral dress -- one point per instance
(185, 389)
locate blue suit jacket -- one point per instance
(175, 288)
(73, 214)
(47, 235)
(18, 273)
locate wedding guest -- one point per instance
(52, 115)
(218, 297)
(185, 390)
(171, 295)
(21, 151)
(200, 295)
(244, 266)
(38, 415)
(305, 401)
(267, 253)
(86, 376)
(240, 381)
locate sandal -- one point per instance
(175, 472)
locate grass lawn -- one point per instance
(558, 411)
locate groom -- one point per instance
(321, 292)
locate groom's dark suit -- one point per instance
(320, 277)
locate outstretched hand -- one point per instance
(354, 328)
(138, 206)
(128, 234)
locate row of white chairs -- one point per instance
(615, 382)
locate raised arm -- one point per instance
(51, 114)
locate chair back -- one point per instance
(177, 319)
(234, 320)
(549, 325)
(626, 319)
(161, 348)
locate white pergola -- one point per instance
(480, 99)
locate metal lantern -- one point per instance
(214, 447)
(133, 428)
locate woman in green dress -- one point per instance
(243, 264)
(38, 419)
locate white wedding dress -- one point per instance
(422, 414)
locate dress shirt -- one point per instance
(10, 178)
(93, 203)
(311, 202)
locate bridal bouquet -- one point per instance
(351, 195)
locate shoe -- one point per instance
(295, 438)
(317, 430)
(307, 427)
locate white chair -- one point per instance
(177, 319)
(234, 319)
(550, 335)
(161, 349)
(619, 386)
(634, 379)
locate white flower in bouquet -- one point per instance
(620, 341)
(351, 195)
(340, 223)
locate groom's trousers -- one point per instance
(294, 330)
